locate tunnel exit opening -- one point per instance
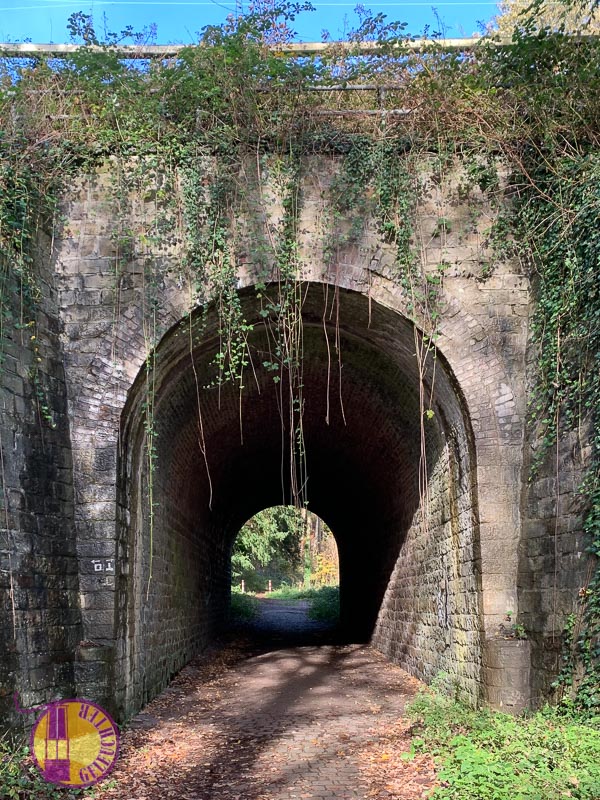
(284, 548)
(285, 574)
(395, 480)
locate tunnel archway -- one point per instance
(409, 570)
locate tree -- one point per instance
(271, 538)
(528, 16)
(320, 554)
(82, 30)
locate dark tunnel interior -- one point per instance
(216, 469)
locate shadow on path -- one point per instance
(286, 623)
(280, 712)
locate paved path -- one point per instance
(287, 619)
(278, 724)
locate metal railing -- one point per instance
(165, 51)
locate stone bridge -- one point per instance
(419, 468)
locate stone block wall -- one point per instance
(554, 566)
(40, 628)
(430, 620)
(174, 601)
(507, 674)
(76, 485)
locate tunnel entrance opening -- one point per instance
(394, 479)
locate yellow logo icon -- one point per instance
(74, 743)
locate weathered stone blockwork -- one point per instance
(554, 566)
(40, 628)
(431, 582)
(430, 620)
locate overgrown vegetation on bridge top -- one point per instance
(531, 107)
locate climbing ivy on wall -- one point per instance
(553, 152)
(566, 395)
(197, 122)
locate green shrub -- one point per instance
(243, 606)
(293, 593)
(21, 780)
(325, 605)
(487, 755)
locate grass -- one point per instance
(488, 755)
(324, 600)
(292, 593)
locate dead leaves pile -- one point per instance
(389, 769)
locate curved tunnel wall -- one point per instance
(408, 570)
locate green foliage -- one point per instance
(244, 607)
(23, 201)
(563, 244)
(21, 780)
(285, 592)
(443, 226)
(567, 320)
(514, 630)
(325, 604)
(272, 537)
(211, 264)
(487, 755)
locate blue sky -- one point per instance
(178, 21)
